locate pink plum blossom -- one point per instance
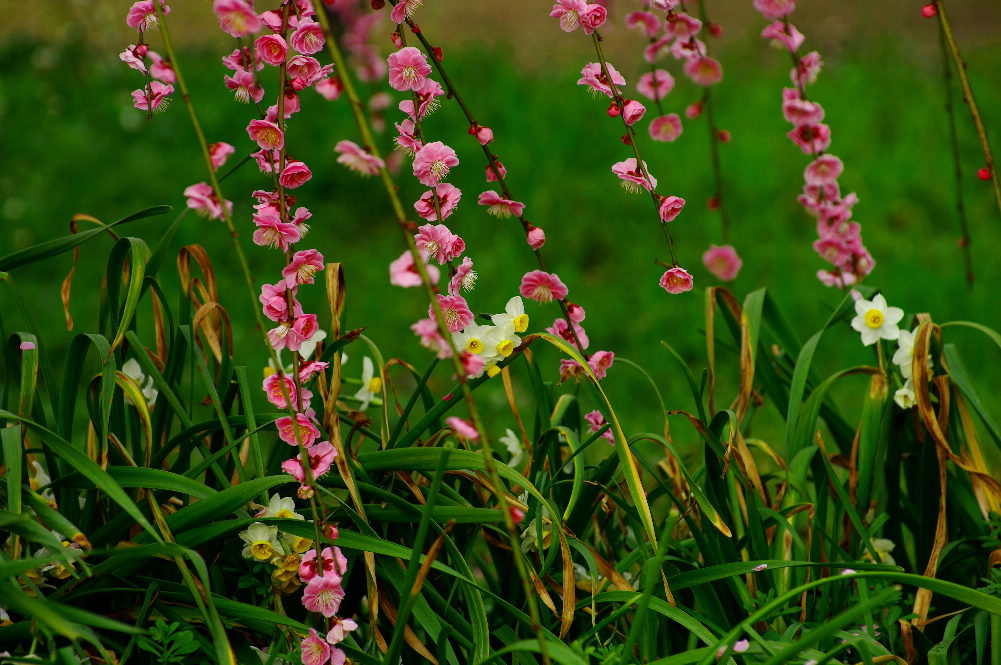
(430, 337)
(219, 152)
(576, 312)
(492, 175)
(356, 159)
(562, 330)
(142, 15)
(569, 13)
(448, 199)
(275, 301)
(823, 171)
(272, 49)
(333, 563)
(403, 9)
(321, 457)
(676, 280)
(464, 429)
(314, 650)
(308, 37)
(593, 77)
(644, 21)
(236, 17)
(632, 178)
(273, 232)
(432, 163)
(153, 97)
(683, 26)
(688, 49)
(775, 9)
(324, 595)
(593, 18)
(408, 68)
(656, 84)
(161, 69)
(704, 71)
(266, 134)
(600, 362)
(403, 272)
(658, 48)
(339, 628)
(799, 111)
(202, 199)
(244, 87)
(596, 421)
(130, 58)
(427, 99)
(439, 242)
(329, 88)
(670, 208)
(784, 35)
(722, 262)
(242, 59)
(464, 278)
(484, 135)
(273, 391)
(302, 425)
(665, 127)
(294, 175)
(455, 311)
(693, 110)
(308, 69)
(311, 367)
(536, 237)
(811, 139)
(632, 112)
(302, 267)
(542, 286)
(500, 207)
(807, 69)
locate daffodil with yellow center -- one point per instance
(260, 541)
(514, 314)
(875, 320)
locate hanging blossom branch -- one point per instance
(839, 240)
(440, 338)
(989, 171)
(670, 30)
(604, 79)
(321, 572)
(540, 284)
(964, 226)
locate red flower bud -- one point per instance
(929, 10)
(984, 173)
(438, 55)
(614, 110)
(141, 50)
(724, 136)
(713, 203)
(626, 140)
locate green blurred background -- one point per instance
(71, 142)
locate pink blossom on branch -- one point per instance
(823, 171)
(244, 87)
(455, 312)
(324, 595)
(440, 242)
(632, 177)
(632, 112)
(775, 9)
(403, 271)
(723, 262)
(356, 159)
(433, 162)
(202, 199)
(272, 49)
(294, 175)
(463, 428)
(535, 237)
(807, 69)
(266, 134)
(562, 330)
(303, 425)
(464, 278)
(314, 650)
(302, 267)
(596, 421)
(308, 37)
(568, 12)
(665, 127)
(153, 97)
(448, 199)
(644, 21)
(272, 232)
(704, 71)
(236, 17)
(321, 458)
(408, 68)
(811, 139)
(500, 207)
(683, 26)
(676, 280)
(275, 301)
(542, 287)
(219, 152)
(594, 78)
(670, 208)
(656, 84)
(784, 35)
(142, 15)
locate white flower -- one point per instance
(514, 313)
(132, 370)
(883, 548)
(501, 341)
(904, 397)
(280, 507)
(260, 541)
(875, 320)
(513, 445)
(266, 658)
(904, 356)
(307, 348)
(371, 385)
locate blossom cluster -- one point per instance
(159, 73)
(296, 565)
(839, 240)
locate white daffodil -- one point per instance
(307, 348)
(132, 370)
(514, 314)
(875, 320)
(904, 397)
(371, 385)
(513, 445)
(473, 339)
(904, 356)
(260, 541)
(280, 507)
(500, 342)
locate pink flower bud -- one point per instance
(536, 237)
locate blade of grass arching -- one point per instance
(649, 579)
(223, 503)
(653, 386)
(432, 418)
(939, 654)
(133, 393)
(384, 409)
(408, 590)
(557, 652)
(28, 374)
(693, 386)
(13, 460)
(137, 253)
(577, 462)
(78, 460)
(845, 502)
(960, 375)
(806, 423)
(831, 627)
(23, 525)
(875, 424)
(163, 387)
(153, 479)
(164, 246)
(247, 405)
(53, 519)
(12, 350)
(64, 244)
(421, 390)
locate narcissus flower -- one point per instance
(514, 315)
(371, 385)
(261, 541)
(875, 320)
